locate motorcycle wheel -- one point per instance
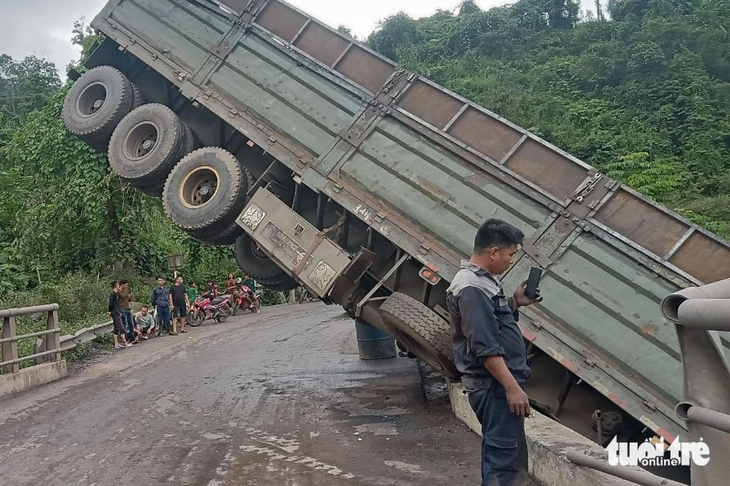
(222, 316)
(195, 318)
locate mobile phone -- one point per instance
(533, 281)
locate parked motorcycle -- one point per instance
(208, 307)
(245, 299)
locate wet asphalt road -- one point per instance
(279, 398)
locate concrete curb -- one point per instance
(32, 377)
(547, 442)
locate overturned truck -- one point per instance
(331, 167)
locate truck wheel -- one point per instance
(146, 146)
(223, 237)
(252, 260)
(95, 105)
(157, 188)
(421, 330)
(283, 286)
(206, 189)
(137, 99)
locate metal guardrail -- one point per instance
(10, 362)
(51, 344)
(639, 477)
(85, 335)
(70, 341)
(698, 313)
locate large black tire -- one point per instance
(207, 189)
(96, 103)
(215, 237)
(156, 189)
(256, 263)
(137, 99)
(283, 286)
(421, 330)
(146, 146)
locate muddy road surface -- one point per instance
(279, 398)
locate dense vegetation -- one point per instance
(643, 94)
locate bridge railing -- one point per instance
(51, 337)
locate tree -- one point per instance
(347, 32)
(392, 33)
(556, 14)
(84, 37)
(25, 86)
(469, 7)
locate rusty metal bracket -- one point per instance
(356, 134)
(594, 177)
(534, 252)
(367, 298)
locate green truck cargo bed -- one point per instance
(424, 167)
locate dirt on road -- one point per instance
(279, 398)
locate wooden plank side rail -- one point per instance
(9, 360)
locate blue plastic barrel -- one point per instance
(372, 343)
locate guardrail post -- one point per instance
(53, 340)
(706, 373)
(9, 349)
(39, 346)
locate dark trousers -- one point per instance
(504, 447)
(128, 324)
(163, 318)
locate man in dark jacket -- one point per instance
(490, 352)
(161, 299)
(115, 313)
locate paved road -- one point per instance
(279, 398)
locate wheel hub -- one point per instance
(199, 187)
(203, 192)
(141, 140)
(91, 100)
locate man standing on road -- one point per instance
(161, 299)
(115, 313)
(490, 352)
(179, 305)
(125, 297)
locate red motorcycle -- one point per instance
(245, 299)
(208, 307)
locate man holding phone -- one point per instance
(490, 352)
